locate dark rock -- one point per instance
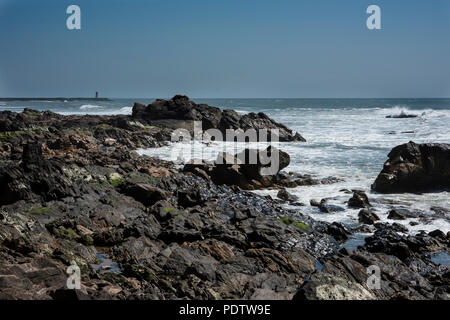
(146, 194)
(338, 231)
(32, 154)
(314, 203)
(440, 211)
(387, 241)
(69, 295)
(250, 169)
(329, 208)
(37, 178)
(183, 109)
(395, 215)
(437, 234)
(415, 168)
(368, 217)
(284, 195)
(393, 227)
(255, 164)
(359, 200)
(402, 115)
(190, 198)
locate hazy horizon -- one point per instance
(219, 98)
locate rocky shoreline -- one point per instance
(73, 189)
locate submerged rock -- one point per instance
(402, 115)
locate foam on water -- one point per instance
(88, 110)
(90, 106)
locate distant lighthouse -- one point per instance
(96, 95)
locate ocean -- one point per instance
(346, 138)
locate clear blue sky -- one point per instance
(232, 48)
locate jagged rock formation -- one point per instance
(179, 111)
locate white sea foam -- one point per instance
(95, 111)
(90, 106)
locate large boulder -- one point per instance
(415, 168)
(250, 168)
(181, 108)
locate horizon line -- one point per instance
(148, 98)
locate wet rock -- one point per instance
(402, 115)
(338, 231)
(405, 247)
(368, 217)
(440, 211)
(286, 196)
(359, 200)
(394, 227)
(325, 207)
(415, 168)
(437, 234)
(395, 215)
(314, 203)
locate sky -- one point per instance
(225, 49)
